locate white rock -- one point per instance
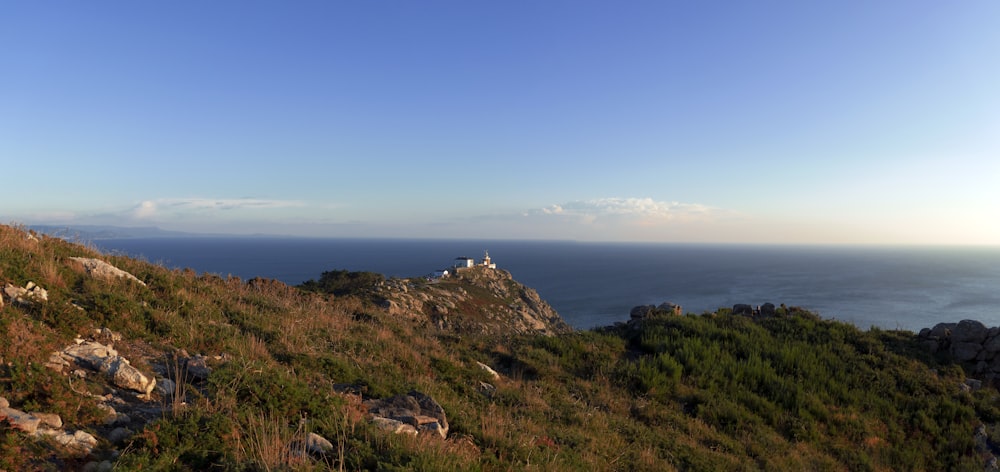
(125, 375)
(316, 444)
(103, 270)
(394, 426)
(489, 370)
(80, 442)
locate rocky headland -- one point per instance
(477, 299)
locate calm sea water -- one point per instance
(596, 284)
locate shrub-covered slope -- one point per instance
(258, 369)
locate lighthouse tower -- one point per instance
(487, 262)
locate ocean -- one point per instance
(596, 284)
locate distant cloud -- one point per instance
(149, 209)
(637, 209)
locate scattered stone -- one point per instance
(4, 403)
(107, 334)
(166, 387)
(28, 295)
(488, 390)
(110, 414)
(197, 368)
(102, 270)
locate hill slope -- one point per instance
(256, 375)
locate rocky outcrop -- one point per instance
(95, 356)
(412, 413)
(477, 299)
(102, 270)
(652, 311)
(27, 295)
(967, 341)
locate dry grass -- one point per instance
(267, 442)
(25, 339)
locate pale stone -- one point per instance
(489, 370)
(20, 420)
(80, 442)
(125, 375)
(51, 420)
(316, 444)
(394, 426)
(102, 270)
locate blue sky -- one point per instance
(755, 122)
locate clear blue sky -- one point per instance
(767, 121)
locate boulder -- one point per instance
(119, 435)
(394, 426)
(767, 309)
(20, 420)
(107, 334)
(992, 345)
(489, 370)
(641, 311)
(965, 351)
(942, 330)
(96, 356)
(670, 308)
(415, 409)
(318, 445)
(50, 420)
(197, 368)
(969, 331)
(90, 354)
(488, 390)
(102, 270)
(125, 375)
(80, 442)
(649, 311)
(742, 309)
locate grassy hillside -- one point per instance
(708, 392)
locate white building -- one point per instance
(463, 262)
(487, 262)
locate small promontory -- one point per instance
(477, 299)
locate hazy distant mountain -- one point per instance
(93, 232)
